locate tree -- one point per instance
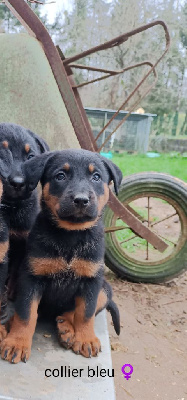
(92, 22)
(10, 24)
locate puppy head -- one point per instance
(75, 185)
(23, 145)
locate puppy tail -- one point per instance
(113, 309)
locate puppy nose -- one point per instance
(81, 200)
(17, 182)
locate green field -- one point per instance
(170, 164)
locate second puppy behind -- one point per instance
(63, 269)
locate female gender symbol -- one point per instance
(127, 375)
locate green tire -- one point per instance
(175, 192)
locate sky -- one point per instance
(52, 9)
(61, 5)
(58, 5)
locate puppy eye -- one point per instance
(60, 177)
(30, 156)
(96, 177)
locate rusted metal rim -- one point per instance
(135, 223)
(177, 246)
(119, 40)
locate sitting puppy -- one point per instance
(19, 203)
(63, 269)
(5, 167)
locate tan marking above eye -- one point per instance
(5, 144)
(66, 166)
(91, 168)
(27, 147)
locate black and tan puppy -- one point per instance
(19, 202)
(63, 270)
(5, 167)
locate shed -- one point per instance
(132, 135)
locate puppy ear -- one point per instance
(43, 146)
(33, 169)
(114, 172)
(5, 162)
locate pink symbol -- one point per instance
(127, 375)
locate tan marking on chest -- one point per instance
(84, 267)
(51, 266)
(3, 250)
(47, 266)
(70, 226)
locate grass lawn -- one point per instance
(131, 164)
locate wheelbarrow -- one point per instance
(138, 245)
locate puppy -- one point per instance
(63, 269)
(5, 167)
(19, 203)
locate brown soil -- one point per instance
(153, 339)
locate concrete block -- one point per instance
(28, 381)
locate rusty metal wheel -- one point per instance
(159, 201)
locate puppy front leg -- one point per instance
(65, 327)
(3, 331)
(3, 276)
(17, 346)
(85, 340)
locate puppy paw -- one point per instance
(3, 333)
(65, 332)
(15, 350)
(87, 348)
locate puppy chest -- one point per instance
(59, 292)
(79, 267)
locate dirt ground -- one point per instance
(153, 339)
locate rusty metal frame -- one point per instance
(72, 101)
(108, 73)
